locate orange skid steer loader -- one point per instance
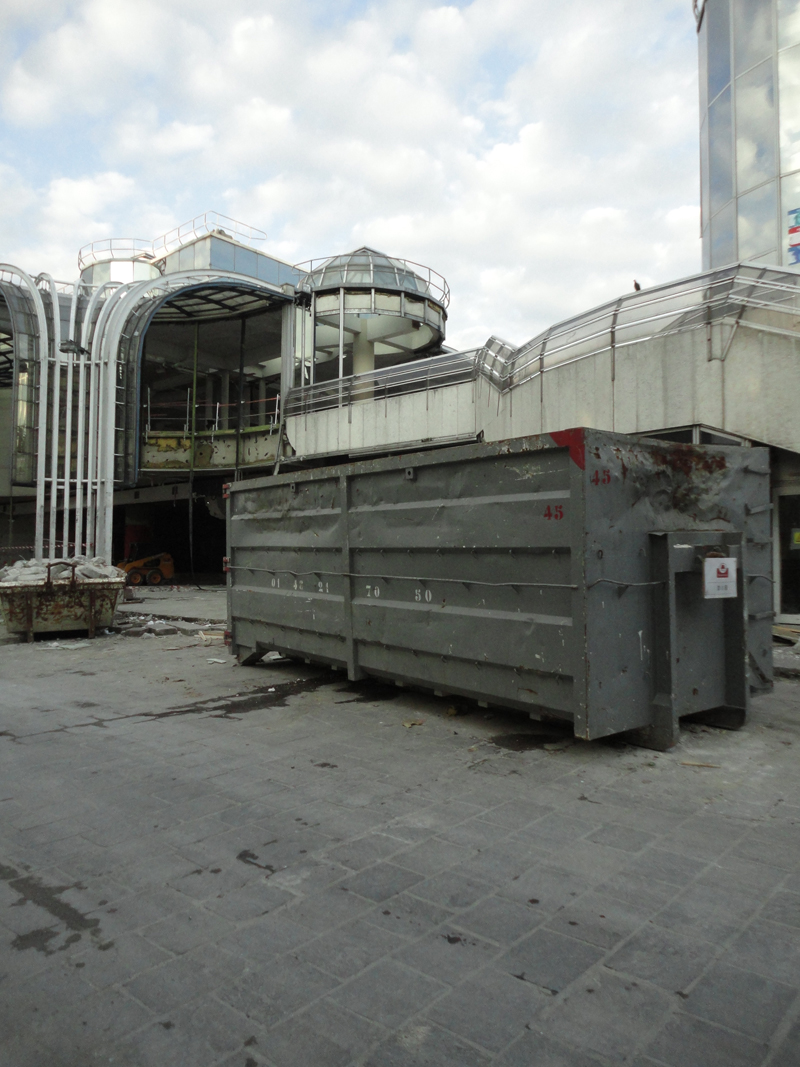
(153, 570)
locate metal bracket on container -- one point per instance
(354, 672)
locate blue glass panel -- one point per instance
(752, 31)
(245, 262)
(723, 237)
(702, 49)
(720, 151)
(269, 270)
(704, 176)
(221, 254)
(717, 18)
(789, 97)
(757, 224)
(755, 127)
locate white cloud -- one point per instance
(540, 156)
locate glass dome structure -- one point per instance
(365, 311)
(367, 268)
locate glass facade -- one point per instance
(750, 131)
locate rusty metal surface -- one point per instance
(60, 606)
(559, 574)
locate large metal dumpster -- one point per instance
(60, 606)
(561, 574)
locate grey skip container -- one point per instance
(559, 574)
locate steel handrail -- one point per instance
(209, 222)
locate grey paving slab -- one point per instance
(786, 1055)
(382, 881)
(270, 936)
(126, 957)
(239, 888)
(290, 984)
(768, 949)
(328, 908)
(500, 920)
(557, 829)
(600, 919)
(502, 862)
(424, 1045)
(170, 984)
(489, 1010)
(448, 954)
(452, 889)
(738, 873)
(783, 907)
(705, 837)
(713, 913)
(546, 885)
(180, 933)
(295, 1042)
(689, 1042)
(388, 993)
(625, 838)
(474, 833)
(665, 866)
(365, 851)
(248, 902)
(638, 890)
(534, 1048)
(345, 1028)
(350, 948)
(549, 960)
(777, 846)
(741, 1000)
(434, 855)
(665, 958)
(607, 1016)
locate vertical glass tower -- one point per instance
(749, 130)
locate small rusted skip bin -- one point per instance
(60, 606)
(565, 574)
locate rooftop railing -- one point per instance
(742, 295)
(137, 248)
(416, 377)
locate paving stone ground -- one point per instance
(203, 864)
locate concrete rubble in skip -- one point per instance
(38, 571)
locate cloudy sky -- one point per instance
(540, 155)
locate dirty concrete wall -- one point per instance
(742, 380)
(445, 412)
(174, 451)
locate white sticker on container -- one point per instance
(719, 578)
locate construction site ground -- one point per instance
(206, 864)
